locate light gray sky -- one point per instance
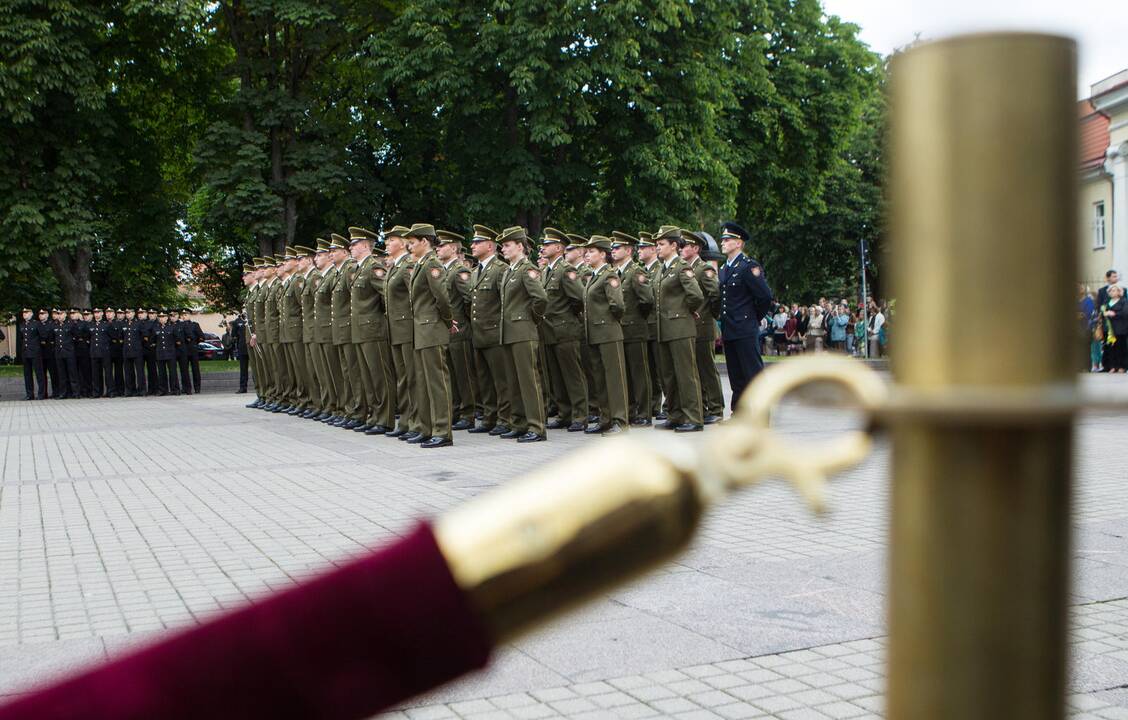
(1099, 26)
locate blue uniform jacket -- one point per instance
(745, 298)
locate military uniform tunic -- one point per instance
(712, 396)
(677, 297)
(484, 293)
(372, 339)
(460, 352)
(31, 352)
(563, 333)
(432, 320)
(603, 311)
(638, 304)
(523, 301)
(352, 386)
(397, 298)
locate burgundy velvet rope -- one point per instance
(347, 644)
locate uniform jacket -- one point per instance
(710, 288)
(64, 339)
(342, 303)
(430, 303)
(117, 339)
(309, 299)
(369, 320)
(604, 306)
(638, 302)
(457, 281)
(653, 275)
(100, 339)
(745, 299)
(239, 336)
(167, 339)
(397, 300)
(271, 311)
(291, 307)
(323, 306)
(31, 340)
(132, 338)
(485, 303)
(81, 330)
(147, 340)
(522, 302)
(564, 293)
(677, 296)
(248, 309)
(193, 336)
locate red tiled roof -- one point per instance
(1094, 135)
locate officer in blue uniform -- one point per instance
(745, 299)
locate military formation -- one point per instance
(108, 353)
(416, 333)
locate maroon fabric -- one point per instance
(345, 645)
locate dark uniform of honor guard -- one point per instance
(47, 331)
(433, 325)
(116, 319)
(485, 327)
(149, 353)
(166, 338)
(712, 396)
(101, 374)
(180, 384)
(329, 365)
(352, 388)
(397, 301)
(82, 353)
(31, 353)
(311, 278)
(603, 311)
(290, 328)
(677, 296)
(563, 331)
(132, 352)
(745, 300)
(460, 352)
(648, 261)
(194, 335)
(522, 308)
(370, 334)
(66, 364)
(638, 305)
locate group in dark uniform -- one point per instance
(107, 353)
(414, 340)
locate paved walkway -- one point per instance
(121, 518)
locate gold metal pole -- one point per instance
(983, 187)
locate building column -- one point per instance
(1116, 164)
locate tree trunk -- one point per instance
(72, 270)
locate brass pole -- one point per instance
(983, 189)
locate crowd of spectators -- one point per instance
(793, 329)
(1105, 319)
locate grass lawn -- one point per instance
(206, 366)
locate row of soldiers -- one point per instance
(413, 340)
(109, 353)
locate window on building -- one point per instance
(1098, 225)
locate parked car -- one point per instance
(213, 339)
(210, 351)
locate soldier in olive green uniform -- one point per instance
(648, 260)
(433, 324)
(292, 328)
(522, 308)
(262, 334)
(460, 352)
(712, 397)
(638, 305)
(311, 378)
(326, 321)
(677, 297)
(575, 254)
(603, 310)
(353, 400)
(397, 300)
(370, 333)
(562, 331)
(322, 343)
(273, 313)
(253, 352)
(485, 326)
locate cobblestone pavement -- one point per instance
(122, 518)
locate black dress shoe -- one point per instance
(593, 429)
(592, 419)
(660, 416)
(241, 391)
(512, 434)
(436, 442)
(576, 426)
(462, 424)
(362, 428)
(395, 433)
(689, 427)
(499, 430)
(376, 430)
(29, 398)
(640, 422)
(555, 425)
(710, 419)
(615, 429)
(279, 408)
(295, 411)
(419, 439)
(480, 429)
(668, 425)
(411, 435)
(531, 437)
(352, 424)
(255, 404)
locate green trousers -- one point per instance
(638, 378)
(712, 396)
(460, 355)
(609, 370)
(312, 377)
(336, 378)
(652, 355)
(350, 381)
(432, 391)
(299, 388)
(523, 377)
(403, 357)
(680, 381)
(569, 385)
(378, 371)
(316, 362)
(282, 382)
(494, 386)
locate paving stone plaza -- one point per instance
(120, 519)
